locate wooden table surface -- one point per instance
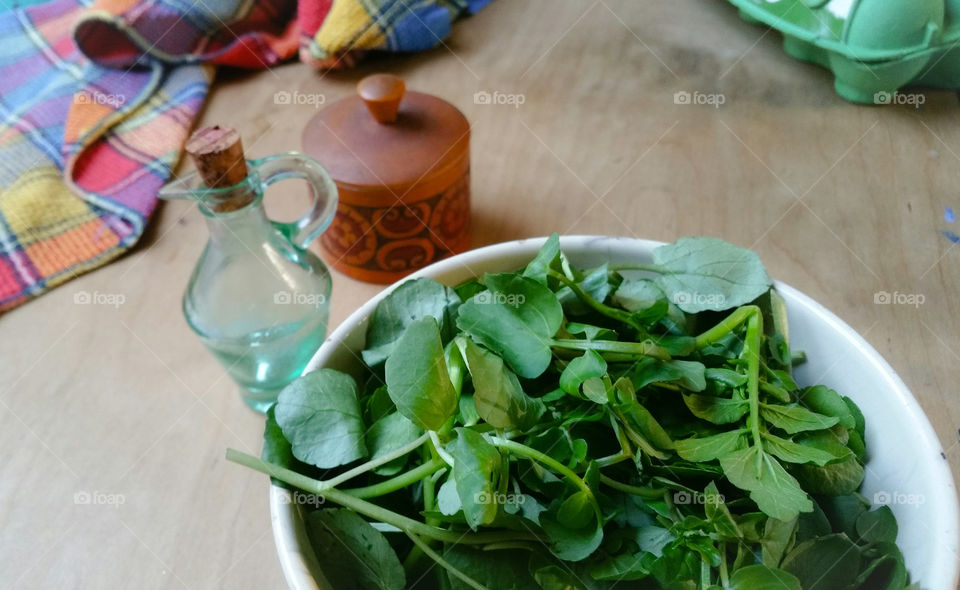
(123, 406)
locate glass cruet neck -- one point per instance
(246, 223)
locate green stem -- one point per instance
(751, 352)
(613, 459)
(438, 450)
(429, 497)
(510, 545)
(372, 511)
(445, 564)
(646, 493)
(397, 482)
(645, 348)
(412, 560)
(727, 325)
(724, 576)
(525, 451)
(644, 267)
(752, 316)
(370, 465)
(599, 307)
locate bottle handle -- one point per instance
(296, 165)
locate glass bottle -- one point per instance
(258, 299)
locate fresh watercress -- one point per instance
(629, 426)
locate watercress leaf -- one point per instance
(827, 441)
(775, 491)
(842, 512)
(825, 401)
(715, 409)
(750, 524)
(726, 377)
(387, 435)
(448, 500)
(588, 366)
(812, 524)
(832, 479)
(547, 259)
(678, 568)
(553, 441)
(498, 397)
(708, 448)
(826, 563)
(456, 365)
(886, 571)
(516, 319)
(492, 569)
(276, 447)
(717, 512)
(638, 295)
(858, 419)
(791, 452)
(761, 577)
(376, 402)
(623, 567)
(709, 274)
(555, 577)
(779, 350)
(778, 535)
(640, 421)
(653, 539)
(590, 332)
(793, 418)
(468, 289)
(320, 415)
(857, 445)
(677, 345)
(877, 526)
(570, 544)
(576, 511)
(703, 546)
(356, 555)
(417, 378)
(476, 471)
(688, 374)
(783, 379)
(468, 410)
(595, 390)
(529, 508)
(411, 301)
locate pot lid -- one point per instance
(387, 137)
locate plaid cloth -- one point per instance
(96, 102)
(335, 33)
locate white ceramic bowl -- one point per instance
(907, 468)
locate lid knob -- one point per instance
(382, 94)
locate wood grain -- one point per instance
(841, 201)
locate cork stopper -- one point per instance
(217, 152)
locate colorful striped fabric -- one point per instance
(97, 100)
(334, 33)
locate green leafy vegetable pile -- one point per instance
(632, 425)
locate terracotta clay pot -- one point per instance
(401, 162)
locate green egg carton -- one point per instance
(873, 47)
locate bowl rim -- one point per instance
(301, 568)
